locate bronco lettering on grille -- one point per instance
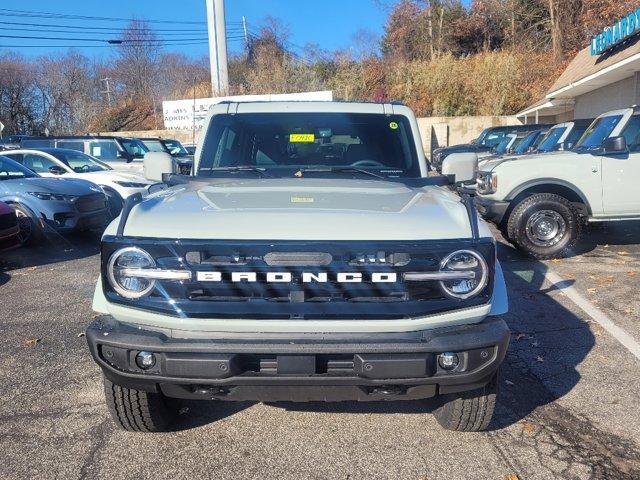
(305, 277)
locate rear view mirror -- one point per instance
(157, 164)
(463, 166)
(614, 145)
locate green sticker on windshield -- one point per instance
(393, 125)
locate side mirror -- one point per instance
(463, 166)
(157, 164)
(613, 145)
(56, 170)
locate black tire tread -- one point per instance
(470, 411)
(136, 410)
(515, 217)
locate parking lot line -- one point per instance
(595, 313)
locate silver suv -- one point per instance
(541, 201)
(307, 257)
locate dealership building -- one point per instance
(602, 77)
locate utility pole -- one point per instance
(246, 33)
(107, 90)
(218, 47)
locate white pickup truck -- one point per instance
(541, 201)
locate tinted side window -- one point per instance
(71, 145)
(103, 149)
(37, 163)
(37, 143)
(631, 133)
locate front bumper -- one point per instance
(491, 210)
(301, 367)
(69, 221)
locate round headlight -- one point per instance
(129, 286)
(464, 261)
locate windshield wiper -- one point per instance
(343, 170)
(241, 168)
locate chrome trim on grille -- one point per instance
(156, 273)
(438, 276)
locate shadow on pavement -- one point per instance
(608, 233)
(51, 250)
(197, 413)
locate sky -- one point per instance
(328, 23)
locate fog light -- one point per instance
(145, 360)
(448, 360)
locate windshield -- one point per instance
(527, 143)
(79, 162)
(284, 144)
(176, 148)
(550, 140)
(134, 147)
(154, 145)
(10, 170)
(503, 146)
(600, 129)
(481, 137)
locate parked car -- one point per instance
(563, 136)
(49, 162)
(12, 139)
(50, 204)
(541, 201)
(174, 148)
(190, 148)
(309, 258)
(488, 139)
(120, 153)
(9, 228)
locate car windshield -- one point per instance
(134, 147)
(550, 141)
(600, 129)
(79, 162)
(283, 144)
(503, 146)
(154, 145)
(527, 143)
(176, 148)
(11, 170)
(481, 137)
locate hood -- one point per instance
(66, 186)
(300, 209)
(489, 165)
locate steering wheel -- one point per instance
(85, 168)
(367, 163)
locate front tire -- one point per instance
(544, 226)
(30, 230)
(137, 410)
(468, 411)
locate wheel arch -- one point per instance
(549, 185)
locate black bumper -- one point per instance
(491, 210)
(301, 367)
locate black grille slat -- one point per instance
(91, 203)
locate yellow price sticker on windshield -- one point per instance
(302, 138)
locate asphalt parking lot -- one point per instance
(568, 407)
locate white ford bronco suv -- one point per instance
(307, 257)
(541, 201)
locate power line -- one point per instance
(40, 14)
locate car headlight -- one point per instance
(132, 273)
(54, 196)
(120, 272)
(487, 182)
(469, 265)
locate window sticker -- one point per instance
(393, 125)
(302, 138)
(96, 151)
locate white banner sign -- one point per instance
(185, 114)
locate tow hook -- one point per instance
(389, 390)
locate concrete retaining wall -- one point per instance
(435, 131)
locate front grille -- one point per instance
(91, 203)
(8, 220)
(297, 298)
